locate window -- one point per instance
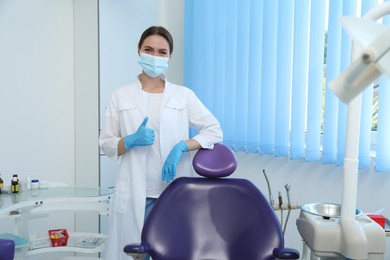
(259, 66)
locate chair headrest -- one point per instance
(215, 163)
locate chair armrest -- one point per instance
(137, 251)
(286, 253)
(7, 249)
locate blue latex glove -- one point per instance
(143, 137)
(169, 168)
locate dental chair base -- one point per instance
(332, 237)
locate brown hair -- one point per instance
(157, 30)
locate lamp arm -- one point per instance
(349, 195)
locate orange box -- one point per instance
(58, 237)
(378, 218)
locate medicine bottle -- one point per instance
(28, 182)
(15, 184)
(1, 184)
(34, 184)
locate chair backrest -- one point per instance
(212, 218)
(7, 249)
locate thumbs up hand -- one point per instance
(142, 137)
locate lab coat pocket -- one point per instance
(175, 104)
(121, 197)
(175, 112)
(127, 113)
(127, 108)
(123, 106)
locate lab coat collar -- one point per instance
(167, 88)
(162, 76)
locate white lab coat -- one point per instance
(126, 109)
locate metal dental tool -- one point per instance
(287, 187)
(271, 198)
(280, 207)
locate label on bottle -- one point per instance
(15, 187)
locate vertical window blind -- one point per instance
(262, 67)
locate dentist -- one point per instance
(146, 130)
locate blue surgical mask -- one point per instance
(152, 65)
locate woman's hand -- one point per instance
(170, 164)
(143, 137)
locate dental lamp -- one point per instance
(371, 62)
(352, 235)
(370, 59)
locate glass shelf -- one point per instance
(36, 197)
(77, 242)
(37, 203)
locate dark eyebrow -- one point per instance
(146, 46)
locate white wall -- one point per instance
(86, 85)
(49, 97)
(49, 90)
(37, 89)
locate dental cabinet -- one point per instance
(38, 203)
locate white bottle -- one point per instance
(28, 182)
(34, 184)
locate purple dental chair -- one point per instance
(7, 249)
(212, 218)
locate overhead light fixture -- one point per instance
(373, 60)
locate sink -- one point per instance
(326, 210)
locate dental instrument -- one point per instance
(271, 198)
(287, 187)
(281, 208)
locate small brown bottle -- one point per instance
(1, 184)
(15, 184)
